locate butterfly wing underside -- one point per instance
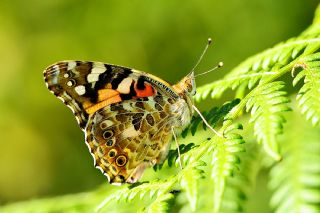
(125, 138)
(124, 113)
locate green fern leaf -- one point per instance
(212, 117)
(225, 161)
(161, 204)
(266, 106)
(173, 155)
(296, 179)
(239, 188)
(261, 66)
(189, 181)
(308, 96)
(139, 190)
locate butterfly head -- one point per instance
(187, 86)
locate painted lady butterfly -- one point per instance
(128, 116)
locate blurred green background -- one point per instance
(42, 150)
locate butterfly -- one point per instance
(129, 117)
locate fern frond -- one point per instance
(189, 181)
(296, 180)
(268, 64)
(225, 161)
(212, 117)
(266, 106)
(239, 187)
(128, 194)
(217, 88)
(308, 96)
(161, 204)
(158, 190)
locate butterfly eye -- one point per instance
(71, 83)
(121, 160)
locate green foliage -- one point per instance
(296, 180)
(240, 187)
(218, 173)
(266, 106)
(308, 95)
(212, 117)
(225, 161)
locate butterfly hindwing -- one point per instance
(125, 138)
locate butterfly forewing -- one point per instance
(88, 86)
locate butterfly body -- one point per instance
(127, 115)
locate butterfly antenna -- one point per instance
(203, 53)
(220, 64)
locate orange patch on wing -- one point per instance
(146, 92)
(105, 98)
(104, 94)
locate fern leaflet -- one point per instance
(308, 96)
(266, 106)
(296, 180)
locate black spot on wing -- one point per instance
(104, 78)
(92, 94)
(140, 83)
(78, 63)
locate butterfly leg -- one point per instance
(206, 122)
(175, 138)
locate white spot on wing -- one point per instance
(98, 68)
(92, 77)
(81, 90)
(71, 65)
(124, 86)
(69, 83)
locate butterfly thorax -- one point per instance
(182, 108)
